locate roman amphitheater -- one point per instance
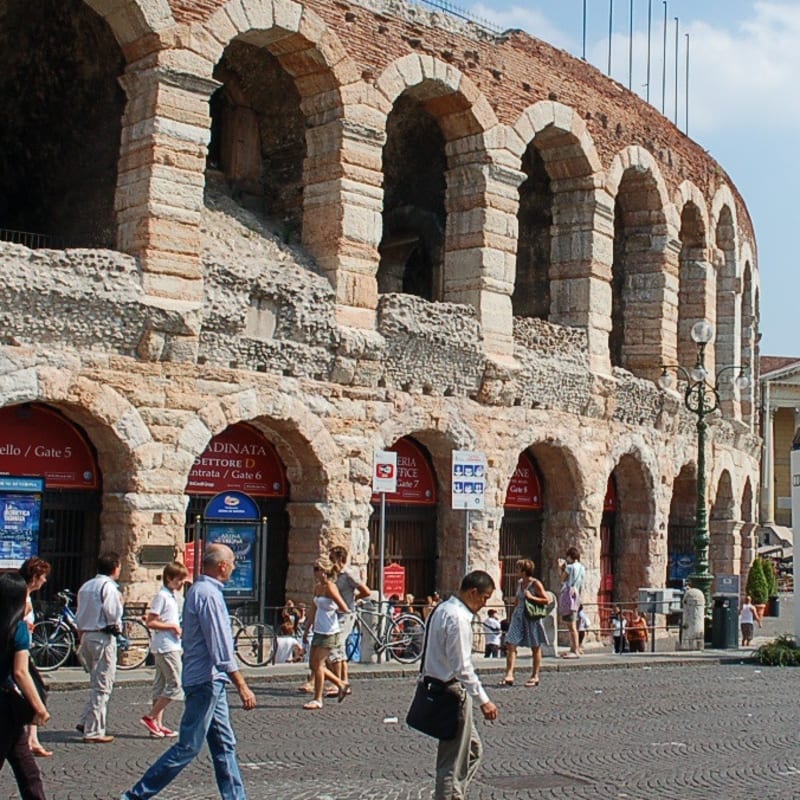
(249, 243)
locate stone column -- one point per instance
(343, 203)
(159, 200)
(694, 621)
(580, 264)
(768, 462)
(481, 240)
(727, 326)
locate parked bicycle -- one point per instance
(53, 640)
(401, 638)
(254, 643)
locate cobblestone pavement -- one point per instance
(685, 732)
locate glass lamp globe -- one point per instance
(702, 332)
(698, 374)
(742, 382)
(666, 381)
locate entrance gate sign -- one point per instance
(469, 479)
(20, 516)
(384, 472)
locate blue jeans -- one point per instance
(206, 716)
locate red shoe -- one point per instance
(168, 734)
(152, 726)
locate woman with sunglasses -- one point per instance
(15, 643)
(324, 619)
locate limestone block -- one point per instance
(287, 14)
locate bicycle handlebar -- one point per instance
(66, 595)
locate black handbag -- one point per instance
(534, 610)
(436, 706)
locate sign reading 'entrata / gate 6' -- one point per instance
(469, 479)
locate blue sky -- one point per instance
(744, 106)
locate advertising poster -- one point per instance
(242, 540)
(20, 516)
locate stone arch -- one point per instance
(728, 309)
(645, 265)
(724, 525)
(634, 552)
(461, 193)
(558, 205)
(681, 525)
(748, 343)
(696, 278)
(132, 20)
(748, 538)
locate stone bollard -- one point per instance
(694, 621)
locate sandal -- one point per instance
(531, 682)
(506, 682)
(312, 705)
(39, 750)
(344, 691)
(333, 692)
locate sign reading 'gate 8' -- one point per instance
(469, 479)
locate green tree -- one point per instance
(757, 586)
(772, 579)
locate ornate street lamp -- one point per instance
(701, 397)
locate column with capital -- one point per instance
(768, 462)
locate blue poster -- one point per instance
(20, 515)
(680, 566)
(242, 540)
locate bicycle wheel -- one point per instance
(255, 645)
(51, 644)
(405, 638)
(133, 645)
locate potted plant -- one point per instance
(757, 586)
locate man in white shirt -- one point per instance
(98, 618)
(448, 657)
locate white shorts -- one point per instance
(167, 682)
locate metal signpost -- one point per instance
(384, 479)
(469, 488)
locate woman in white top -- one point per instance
(324, 619)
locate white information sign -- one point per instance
(469, 479)
(384, 472)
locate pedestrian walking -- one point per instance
(15, 643)
(493, 632)
(637, 632)
(583, 627)
(35, 571)
(524, 632)
(98, 618)
(351, 588)
(324, 621)
(748, 616)
(448, 658)
(164, 619)
(209, 665)
(569, 599)
(619, 625)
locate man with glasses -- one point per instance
(448, 657)
(209, 665)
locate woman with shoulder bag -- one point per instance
(20, 703)
(525, 630)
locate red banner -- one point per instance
(416, 484)
(524, 488)
(37, 441)
(610, 502)
(239, 459)
(394, 581)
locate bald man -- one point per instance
(209, 665)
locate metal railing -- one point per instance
(29, 239)
(456, 11)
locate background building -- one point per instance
(272, 237)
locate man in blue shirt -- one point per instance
(209, 664)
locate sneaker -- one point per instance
(168, 734)
(152, 726)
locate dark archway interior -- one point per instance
(414, 164)
(531, 296)
(258, 136)
(58, 168)
(692, 280)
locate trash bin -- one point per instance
(725, 622)
(773, 607)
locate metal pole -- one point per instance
(664, 64)
(630, 46)
(701, 578)
(686, 89)
(466, 545)
(610, 30)
(584, 30)
(262, 578)
(649, 31)
(198, 554)
(382, 547)
(677, 25)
